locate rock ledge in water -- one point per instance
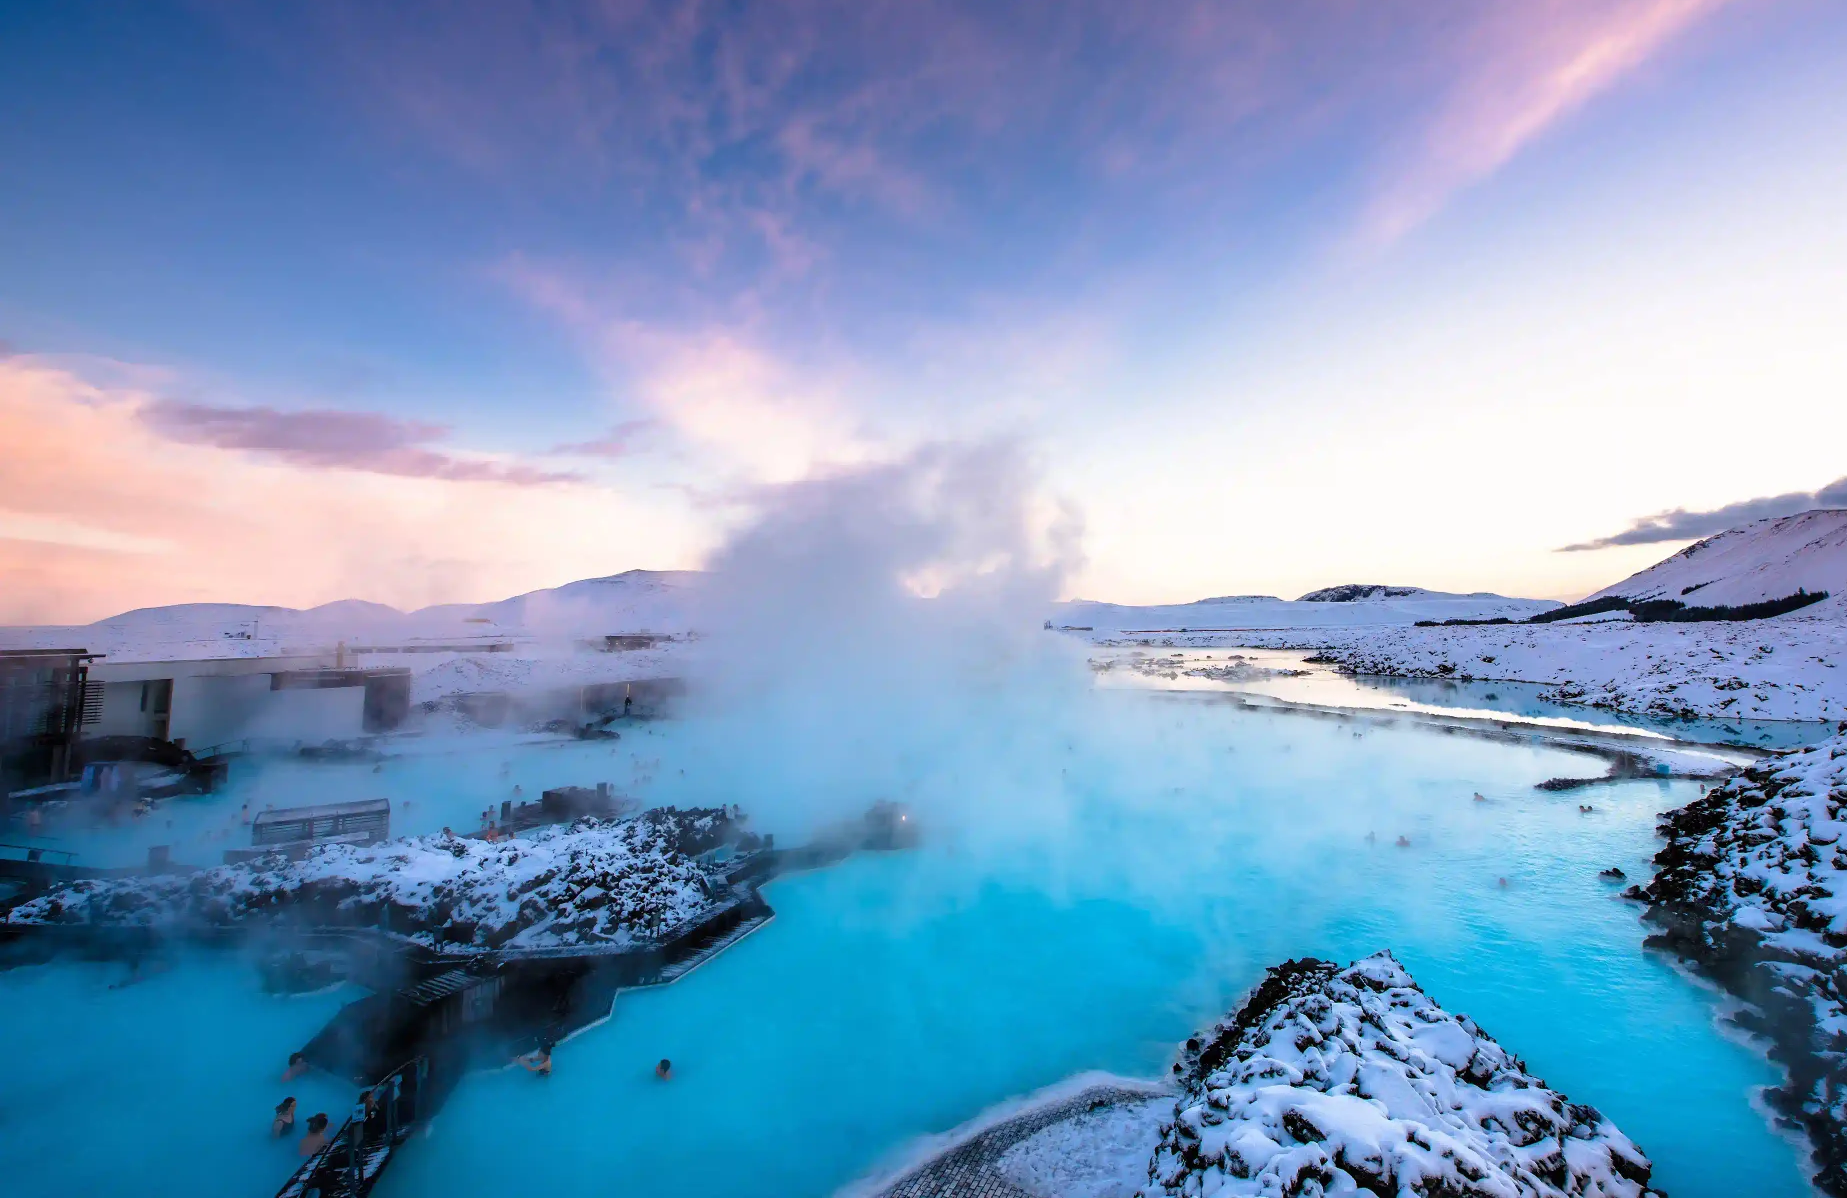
(1752, 889)
(1332, 1081)
(594, 882)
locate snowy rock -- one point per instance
(592, 883)
(1752, 888)
(1332, 1081)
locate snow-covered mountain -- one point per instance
(1767, 559)
(1343, 606)
(633, 601)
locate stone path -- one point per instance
(967, 1169)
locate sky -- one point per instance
(442, 302)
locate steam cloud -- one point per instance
(875, 634)
(1682, 525)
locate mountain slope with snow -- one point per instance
(1767, 559)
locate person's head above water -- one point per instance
(664, 1068)
(317, 1122)
(297, 1058)
(285, 1105)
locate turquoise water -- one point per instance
(167, 1086)
(1117, 885)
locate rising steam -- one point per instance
(872, 633)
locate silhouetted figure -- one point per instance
(664, 1070)
(284, 1122)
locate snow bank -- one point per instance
(1752, 888)
(1336, 1081)
(591, 883)
(1778, 669)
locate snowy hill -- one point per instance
(1344, 606)
(1767, 559)
(633, 601)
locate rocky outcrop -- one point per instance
(591, 883)
(1330, 1081)
(1750, 890)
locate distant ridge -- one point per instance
(1352, 592)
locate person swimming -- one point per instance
(664, 1070)
(284, 1122)
(1479, 797)
(1404, 842)
(316, 1139)
(539, 1062)
(298, 1065)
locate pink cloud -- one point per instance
(618, 442)
(1517, 75)
(367, 441)
(99, 513)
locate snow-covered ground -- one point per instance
(1786, 668)
(594, 882)
(1783, 668)
(1354, 1081)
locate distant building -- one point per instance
(44, 697)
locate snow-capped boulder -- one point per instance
(1337, 1081)
(591, 883)
(1752, 889)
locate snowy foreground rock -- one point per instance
(1752, 888)
(592, 883)
(1337, 1081)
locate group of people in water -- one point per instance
(284, 1122)
(538, 1061)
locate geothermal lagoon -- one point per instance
(1094, 886)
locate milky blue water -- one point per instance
(899, 995)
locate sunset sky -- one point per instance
(422, 303)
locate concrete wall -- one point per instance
(309, 716)
(128, 710)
